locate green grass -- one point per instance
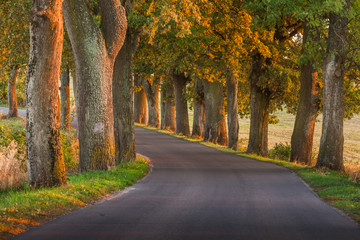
(21, 209)
(332, 186)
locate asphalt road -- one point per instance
(195, 192)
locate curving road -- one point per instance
(195, 192)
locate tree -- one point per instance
(309, 104)
(140, 109)
(43, 144)
(152, 87)
(232, 108)
(14, 45)
(168, 98)
(332, 138)
(198, 129)
(95, 52)
(12, 99)
(215, 127)
(65, 98)
(182, 117)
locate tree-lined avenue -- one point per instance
(196, 192)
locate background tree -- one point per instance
(332, 138)
(14, 47)
(43, 145)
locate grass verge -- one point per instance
(332, 186)
(24, 208)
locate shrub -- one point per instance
(281, 151)
(13, 172)
(70, 146)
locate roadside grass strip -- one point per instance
(334, 187)
(26, 207)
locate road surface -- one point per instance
(196, 192)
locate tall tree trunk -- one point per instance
(152, 96)
(94, 73)
(65, 99)
(43, 144)
(215, 127)
(303, 135)
(123, 92)
(332, 137)
(140, 111)
(182, 117)
(259, 108)
(199, 110)
(169, 106)
(12, 99)
(162, 107)
(232, 107)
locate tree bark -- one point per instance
(199, 110)
(43, 144)
(169, 106)
(303, 134)
(152, 96)
(162, 106)
(182, 118)
(123, 92)
(259, 108)
(332, 136)
(65, 99)
(140, 111)
(232, 109)
(95, 54)
(12, 99)
(215, 127)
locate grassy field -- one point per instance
(281, 133)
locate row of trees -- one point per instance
(228, 58)
(260, 51)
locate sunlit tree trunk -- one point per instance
(182, 117)
(65, 99)
(232, 109)
(12, 99)
(199, 110)
(140, 107)
(215, 127)
(123, 92)
(94, 73)
(332, 136)
(152, 97)
(169, 106)
(43, 144)
(259, 107)
(303, 135)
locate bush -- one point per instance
(281, 151)
(13, 172)
(70, 146)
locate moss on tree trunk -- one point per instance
(94, 74)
